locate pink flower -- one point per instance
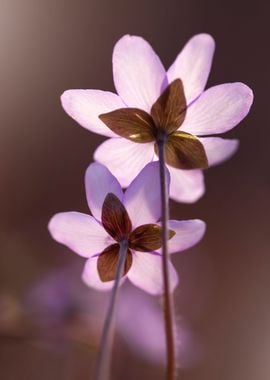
(140, 79)
(131, 216)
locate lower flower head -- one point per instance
(132, 216)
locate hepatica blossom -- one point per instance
(153, 104)
(131, 216)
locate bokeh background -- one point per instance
(49, 321)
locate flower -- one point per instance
(59, 308)
(117, 216)
(149, 100)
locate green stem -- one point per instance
(168, 298)
(105, 351)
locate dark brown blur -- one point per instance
(49, 46)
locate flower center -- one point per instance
(116, 222)
(182, 150)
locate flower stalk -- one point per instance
(105, 352)
(168, 297)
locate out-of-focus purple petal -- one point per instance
(85, 106)
(124, 158)
(79, 232)
(187, 234)
(218, 149)
(146, 273)
(91, 277)
(140, 321)
(193, 65)
(99, 181)
(142, 197)
(186, 185)
(139, 75)
(218, 109)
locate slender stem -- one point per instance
(105, 351)
(168, 298)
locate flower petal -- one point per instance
(91, 277)
(146, 273)
(218, 149)
(187, 186)
(124, 158)
(98, 183)
(142, 197)
(115, 218)
(85, 106)
(184, 151)
(218, 109)
(193, 65)
(79, 232)
(187, 234)
(169, 110)
(139, 75)
(108, 262)
(131, 123)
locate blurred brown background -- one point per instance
(49, 46)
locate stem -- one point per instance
(168, 298)
(105, 351)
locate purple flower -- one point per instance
(142, 85)
(131, 216)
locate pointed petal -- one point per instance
(187, 186)
(91, 277)
(147, 237)
(146, 273)
(139, 75)
(218, 109)
(85, 106)
(79, 232)
(142, 197)
(169, 110)
(187, 234)
(124, 158)
(108, 261)
(115, 218)
(193, 65)
(184, 151)
(131, 123)
(218, 149)
(98, 183)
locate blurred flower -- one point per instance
(131, 216)
(151, 100)
(59, 306)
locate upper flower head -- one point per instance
(151, 100)
(131, 216)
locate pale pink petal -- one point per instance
(193, 65)
(85, 106)
(142, 197)
(218, 109)
(124, 158)
(139, 75)
(91, 277)
(187, 234)
(187, 186)
(218, 149)
(146, 273)
(99, 181)
(79, 232)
